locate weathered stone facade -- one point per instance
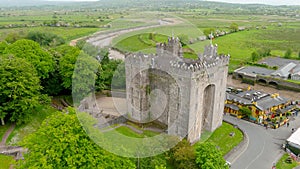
(187, 95)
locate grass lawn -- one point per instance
(5, 161)
(21, 131)
(221, 137)
(281, 164)
(293, 81)
(130, 133)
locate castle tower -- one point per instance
(173, 47)
(186, 95)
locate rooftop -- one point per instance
(253, 71)
(261, 100)
(285, 70)
(277, 61)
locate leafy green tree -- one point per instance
(19, 89)
(209, 157)
(264, 52)
(234, 27)
(299, 54)
(67, 60)
(13, 37)
(255, 56)
(33, 53)
(61, 142)
(246, 111)
(3, 46)
(88, 48)
(288, 54)
(84, 76)
(184, 39)
(183, 155)
(45, 38)
(208, 31)
(154, 162)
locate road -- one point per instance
(264, 146)
(104, 38)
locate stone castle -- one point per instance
(186, 95)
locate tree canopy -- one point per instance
(45, 38)
(183, 155)
(33, 53)
(67, 62)
(246, 111)
(19, 89)
(234, 27)
(209, 157)
(61, 142)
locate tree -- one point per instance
(154, 162)
(299, 55)
(209, 31)
(67, 62)
(245, 111)
(183, 155)
(288, 54)
(61, 142)
(184, 39)
(3, 46)
(13, 37)
(84, 76)
(45, 38)
(33, 53)
(254, 56)
(209, 157)
(19, 89)
(234, 27)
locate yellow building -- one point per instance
(262, 105)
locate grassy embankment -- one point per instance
(282, 164)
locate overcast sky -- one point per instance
(270, 2)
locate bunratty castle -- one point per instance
(186, 95)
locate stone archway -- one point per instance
(208, 106)
(262, 81)
(274, 84)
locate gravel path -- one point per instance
(7, 133)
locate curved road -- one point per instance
(264, 146)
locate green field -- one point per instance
(281, 164)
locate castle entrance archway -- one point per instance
(208, 106)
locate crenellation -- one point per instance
(190, 87)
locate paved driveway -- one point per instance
(264, 146)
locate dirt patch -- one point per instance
(112, 105)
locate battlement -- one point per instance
(184, 94)
(173, 47)
(171, 55)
